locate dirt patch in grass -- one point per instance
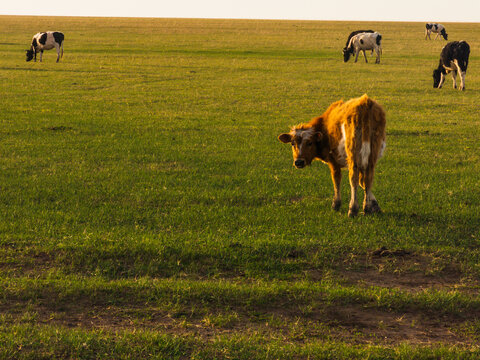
(21, 263)
(365, 325)
(407, 271)
(354, 324)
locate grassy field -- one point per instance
(147, 209)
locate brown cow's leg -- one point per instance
(353, 175)
(336, 173)
(361, 176)
(370, 204)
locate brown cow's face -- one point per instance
(304, 146)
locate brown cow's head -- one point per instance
(304, 141)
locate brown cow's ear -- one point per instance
(285, 138)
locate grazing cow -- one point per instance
(436, 28)
(349, 134)
(453, 58)
(46, 41)
(353, 33)
(363, 41)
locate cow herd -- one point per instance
(352, 134)
(453, 58)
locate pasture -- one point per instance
(148, 209)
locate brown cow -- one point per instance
(349, 134)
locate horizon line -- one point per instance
(232, 18)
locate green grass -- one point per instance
(148, 209)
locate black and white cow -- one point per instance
(436, 28)
(362, 42)
(46, 41)
(352, 34)
(453, 58)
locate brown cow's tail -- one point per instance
(369, 121)
(373, 129)
(365, 113)
(374, 117)
(360, 112)
(376, 130)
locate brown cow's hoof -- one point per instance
(372, 208)
(336, 205)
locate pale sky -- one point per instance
(381, 10)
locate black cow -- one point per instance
(46, 41)
(453, 58)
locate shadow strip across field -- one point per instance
(231, 294)
(300, 311)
